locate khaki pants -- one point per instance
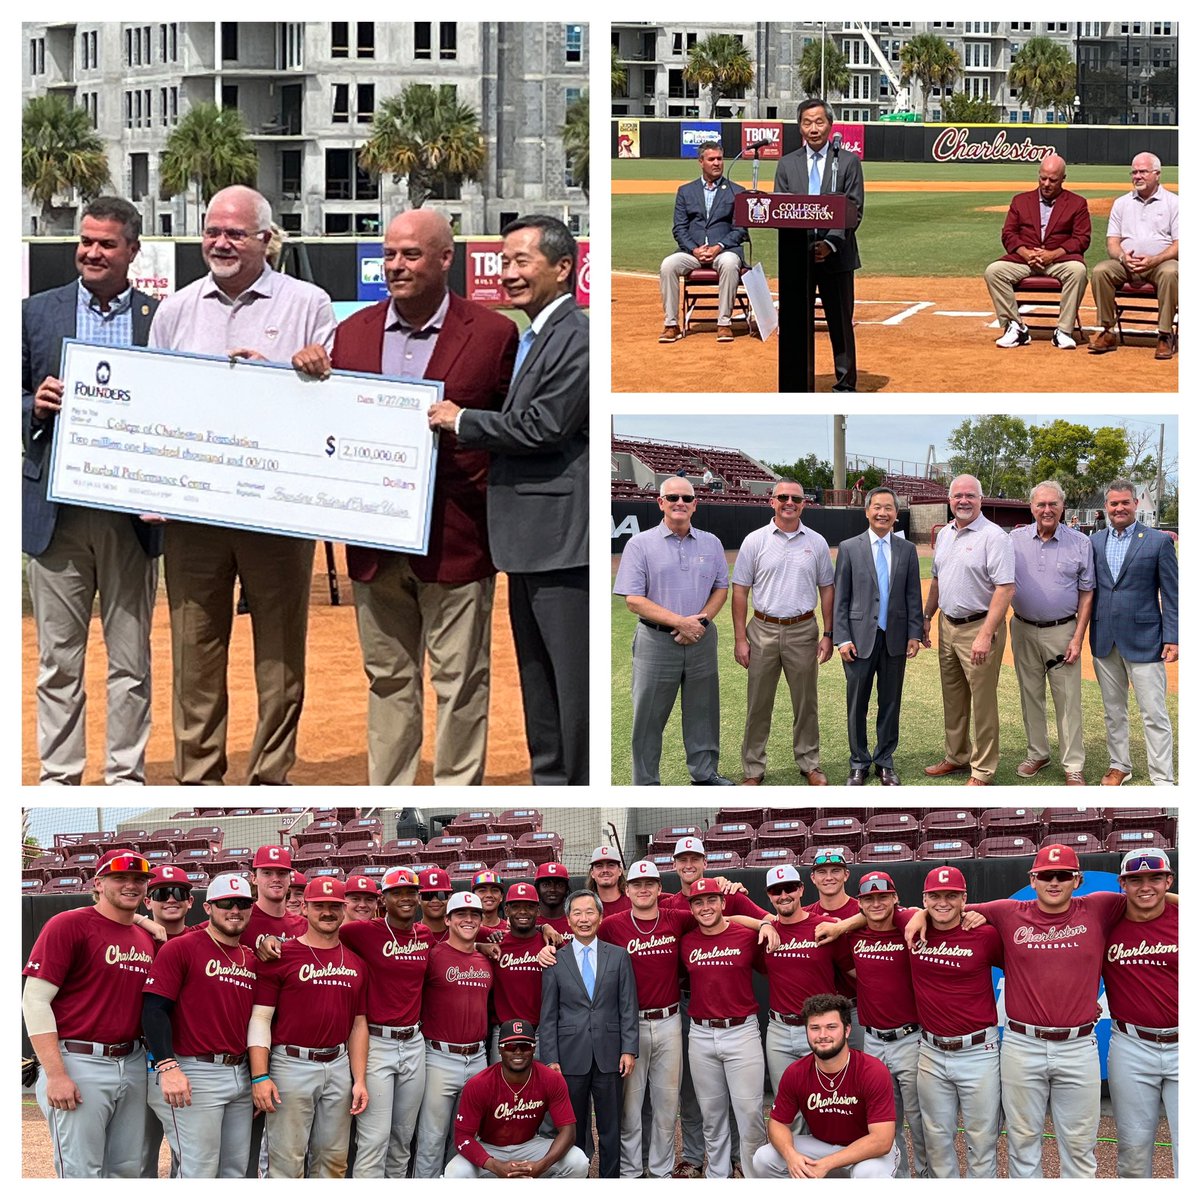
(1032, 649)
(1108, 275)
(729, 271)
(1002, 277)
(791, 649)
(970, 690)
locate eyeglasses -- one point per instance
(238, 902)
(675, 497)
(175, 892)
(1054, 876)
(236, 236)
(784, 497)
(783, 889)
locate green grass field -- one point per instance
(921, 722)
(904, 233)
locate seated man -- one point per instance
(1143, 247)
(845, 1097)
(707, 237)
(496, 1130)
(1046, 232)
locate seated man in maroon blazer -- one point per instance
(438, 606)
(1046, 232)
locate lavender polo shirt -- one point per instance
(678, 573)
(1051, 574)
(276, 315)
(407, 351)
(785, 570)
(969, 564)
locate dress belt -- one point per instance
(965, 620)
(808, 616)
(1045, 624)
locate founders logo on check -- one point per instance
(103, 373)
(100, 389)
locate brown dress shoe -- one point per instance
(973, 782)
(1166, 346)
(1075, 779)
(816, 778)
(1031, 766)
(1114, 777)
(748, 782)
(1103, 342)
(670, 333)
(724, 333)
(945, 767)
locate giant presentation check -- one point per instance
(246, 444)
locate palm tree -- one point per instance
(720, 63)
(836, 73)
(425, 134)
(1043, 73)
(931, 61)
(60, 151)
(575, 141)
(619, 75)
(208, 148)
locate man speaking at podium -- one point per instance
(822, 166)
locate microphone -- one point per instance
(836, 142)
(760, 145)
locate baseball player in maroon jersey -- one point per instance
(845, 1097)
(553, 881)
(195, 1011)
(83, 1012)
(487, 886)
(395, 951)
(830, 875)
(294, 904)
(362, 898)
(501, 1110)
(310, 1011)
(517, 973)
(435, 893)
(270, 923)
(607, 879)
(454, 1015)
(1141, 980)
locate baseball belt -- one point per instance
(103, 1049)
(225, 1060)
(451, 1048)
(658, 1014)
(956, 1043)
(1051, 1035)
(1165, 1037)
(784, 1018)
(399, 1033)
(893, 1035)
(327, 1054)
(720, 1022)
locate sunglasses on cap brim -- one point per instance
(125, 864)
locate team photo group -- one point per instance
(393, 1026)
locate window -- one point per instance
(173, 41)
(229, 41)
(162, 106)
(137, 109)
(977, 54)
(337, 223)
(448, 40)
(422, 39)
(229, 95)
(162, 42)
(290, 165)
(339, 39)
(365, 47)
(338, 175)
(146, 58)
(164, 224)
(174, 98)
(574, 43)
(293, 47)
(129, 47)
(341, 103)
(139, 176)
(291, 222)
(677, 43)
(364, 111)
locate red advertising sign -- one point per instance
(483, 274)
(764, 210)
(854, 138)
(583, 277)
(762, 131)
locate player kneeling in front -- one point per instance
(501, 1110)
(845, 1097)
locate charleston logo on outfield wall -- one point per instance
(955, 145)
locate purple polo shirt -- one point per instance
(406, 350)
(1051, 574)
(969, 564)
(678, 573)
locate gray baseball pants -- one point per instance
(313, 1116)
(211, 1136)
(769, 1164)
(395, 1086)
(656, 1069)
(785, 1044)
(572, 1165)
(445, 1077)
(728, 1067)
(900, 1058)
(948, 1080)
(1141, 1077)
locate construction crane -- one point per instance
(900, 93)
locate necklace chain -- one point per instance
(341, 963)
(822, 1076)
(218, 942)
(645, 932)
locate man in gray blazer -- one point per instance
(76, 552)
(538, 493)
(589, 1027)
(877, 627)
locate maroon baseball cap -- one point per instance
(552, 870)
(166, 875)
(435, 880)
(273, 856)
(122, 862)
(1054, 856)
(299, 879)
(945, 879)
(362, 884)
(325, 887)
(522, 891)
(704, 887)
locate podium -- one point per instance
(795, 216)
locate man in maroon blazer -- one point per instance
(1046, 232)
(440, 606)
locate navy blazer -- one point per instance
(693, 227)
(1138, 612)
(856, 596)
(46, 319)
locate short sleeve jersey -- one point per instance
(845, 986)
(213, 988)
(490, 1111)
(721, 969)
(517, 980)
(454, 1006)
(837, 1109)
(395, 969)
(316, 994)
(653, 948)
(1141, 970)
(952, 979)
(100, 967)
(885, 989)
(800, 968)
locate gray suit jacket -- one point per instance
(575, 1031)
(46, 319)
(856, 596)
(791, 175)
(538, 480)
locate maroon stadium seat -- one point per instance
(466, 870)
(196, 854)
(36, 873)
(541, 846)
(1017, 822)
(77, 862)
(950, 823)
(374, 871)
(492, 847)
(807, 815)
(332, 872)
(158, 858)
(722, 860)
(516, 821)
(198, 878)
(1121, 841)
(1006, 845)
(893, 827)
(846, 831)
(876, 852)
(324, 830)
(446, 849)
(47, 861)
(791, 835)
(64, 884)
(945, 848)
(1143, 818)
(737, 836)
(31, 886)
(399, 852)
(188, 814)
(1075, 820)
(806, 859)
(363, 847)
(665, 838)
(510, 869)
(308, 864)
(752, 816)
(351, 864)
(471, 824)
(774, 856)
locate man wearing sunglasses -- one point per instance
(435, 892)
(83, 1013)
(195, 1011)
(789, 570)
(169, 898)
(675, 581)
(1052, 604)
(1141, 979)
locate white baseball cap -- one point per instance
(643, 869)
(689, 845)
(225, 887)
(783, 874)
(464, 900)
(605, 854)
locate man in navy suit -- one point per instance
(589, 1026)
(707, 237)
(877, 627)
(1135, 632)
(75, 552)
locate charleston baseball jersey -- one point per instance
(517, 980)
(395, 969)
(837, 1108)
(653, 948)
(558, 924)
(1141, 971)
(1052, 961)
(100, 967)
(490, 1111)
(721, 970)
(316, 994)
(454, 1007)
(952, 979)
(885, 998)
(213, 987)
(614, 908)
(845, 987)
(800, 968)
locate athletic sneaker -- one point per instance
(1063, 341)
(1015, 335)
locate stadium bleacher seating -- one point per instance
(516, 821)
(722, 860)
(1143, 818)
(737, 836)
(540, 846)
(807, 857)
(950, 823)
(886, 852)
(446, 849)
(470, 824)
(827, 831)
(1019, 822)
(492, 847)
(1006, 845)
(945, 848)
(1075, 820)
(791, 835)
(1121, 841)
(893, 827)
(773, 856)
